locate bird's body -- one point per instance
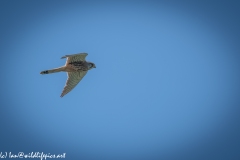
(76, 67)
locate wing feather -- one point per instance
(73, 79)
(75, 57)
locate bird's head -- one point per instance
(91, 65)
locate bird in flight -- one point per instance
(76, 67)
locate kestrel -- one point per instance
(76, 67)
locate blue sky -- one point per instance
(166, 84)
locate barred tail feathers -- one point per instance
(53, 70)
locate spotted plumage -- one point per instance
(79, 65)
(76, 67)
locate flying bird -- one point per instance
(76, 67)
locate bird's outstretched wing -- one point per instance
(73, 79)
(75, 57)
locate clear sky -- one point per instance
(166, 84)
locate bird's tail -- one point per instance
(53, 70)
